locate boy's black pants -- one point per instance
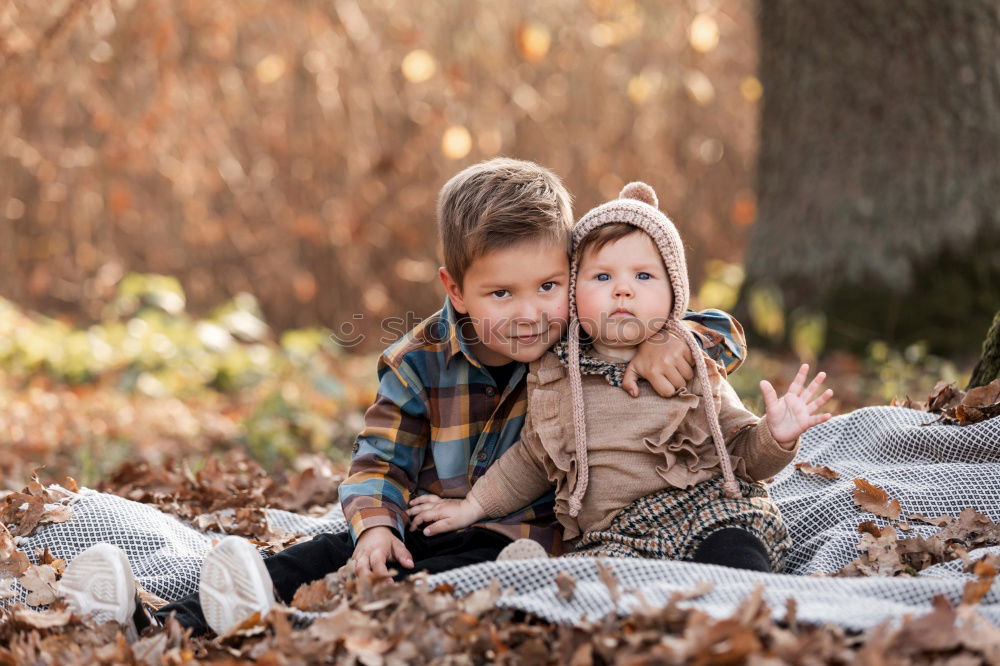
(325, 553)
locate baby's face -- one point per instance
(623, 295)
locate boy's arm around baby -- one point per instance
(665, 361)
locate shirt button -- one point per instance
(482, 456)
(490, 391)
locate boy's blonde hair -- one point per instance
(496, 204)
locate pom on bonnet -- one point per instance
(637, 205)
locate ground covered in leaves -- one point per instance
(371, 622)
(202, 416)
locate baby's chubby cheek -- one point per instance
(589, 311)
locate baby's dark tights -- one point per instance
(733, 547)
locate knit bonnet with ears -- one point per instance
(637, 205)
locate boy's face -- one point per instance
(623, 294)
(517, 301)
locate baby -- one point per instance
(668, 478)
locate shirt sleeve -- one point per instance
(720, 335)
(388, 453)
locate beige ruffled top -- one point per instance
(636, 446)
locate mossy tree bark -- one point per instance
(879, 183)
(988, 367)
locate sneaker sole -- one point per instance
(522, 549)
(234, 584)
(99, 581)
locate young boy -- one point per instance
(451, 400)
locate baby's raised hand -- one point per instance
(443, 515)
(795, 412)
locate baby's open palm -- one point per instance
(795, 412)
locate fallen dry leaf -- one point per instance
(880, 556)
(974, 590)
(482, 600)
(873, 499)
(21, 511)
(46, 557)
(53, 617)
(702, 588)
(983, 397)
(933, 632)
(314, 596)
(40, 581)
(956, 407)
(56, 513)
(943, 396)
(566, 585)
(940, 521)
(817, 470)
(13, 562)
(607, 576)
(968, 415)
(972, 528)
(868, 527)
(7, 588)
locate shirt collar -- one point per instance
(457, 342)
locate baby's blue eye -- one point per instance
(643, 275)
(603, 277)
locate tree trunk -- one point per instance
(879, 183)
(988, 367)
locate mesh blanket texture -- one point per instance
(930, 469)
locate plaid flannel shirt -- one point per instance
(439, 420)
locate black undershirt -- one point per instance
(502, 373)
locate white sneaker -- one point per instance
(234, 584)
(99, 581)
(522, 549)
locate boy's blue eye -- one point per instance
(643, 275)
(602, 277)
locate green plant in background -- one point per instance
(767, 311)
(721, 286)
(808, 334)
(137, 292)
(221, 381)
(890, 373)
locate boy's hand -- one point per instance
(665, 361)
(795, 412)
(443, 515)
(375, 547)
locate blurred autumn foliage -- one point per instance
(294, 150)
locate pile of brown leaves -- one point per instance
(957, 407)
(884, 553)
(230, 495)
(407, 623)
(23, 512)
